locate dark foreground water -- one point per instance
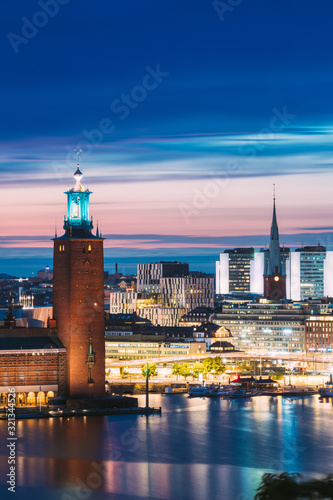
(197, 449)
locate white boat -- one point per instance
(198, 392)
(203, 390)
(241, 393)
(326, 391)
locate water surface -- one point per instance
(197, 449)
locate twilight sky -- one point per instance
(187, 112)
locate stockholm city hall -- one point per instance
(78, 296)
(63, 363)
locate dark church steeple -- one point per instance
(274, 259)
(274, 276)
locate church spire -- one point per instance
(274, 228)
(274, 258)
(274, 275)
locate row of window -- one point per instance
(62, 248)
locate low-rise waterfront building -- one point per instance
(33, 361)
(265, 327)
(140, 346)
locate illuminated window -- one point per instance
(89, 248)
(63, 248)
(59, 248)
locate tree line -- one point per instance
(206, 366)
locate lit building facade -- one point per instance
(172, 296)
(123, 302)
(150, 274)
(33, 361)
(265, 327)
(306, 277)
(319, 334)
(233, 271)
(187, 293)
(309, 273)
(150, 348)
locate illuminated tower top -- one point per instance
(78, 223)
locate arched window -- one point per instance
(89, 248)
(59, 248)
(84, 249)
(50, 394)
(63, 248)
(31, 398)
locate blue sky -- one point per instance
(186, 120)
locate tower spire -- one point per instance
(274, 259)
(78, 174)
(274, 275)
(78, 152)
(78, 221)
(274, 227)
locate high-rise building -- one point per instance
(233, 270)
(308, 270)
(78, 296)
(307, 273)
(274, 273)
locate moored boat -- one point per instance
(241, 393)
(326, 391)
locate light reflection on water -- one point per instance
(197, 449)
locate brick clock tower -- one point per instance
(78, 296)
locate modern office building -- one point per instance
(123, 302)
(265, 327)
(150, 274)
(309, 272)
(233, 271)
(165, 299)
(188, 292)
(306, 273)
